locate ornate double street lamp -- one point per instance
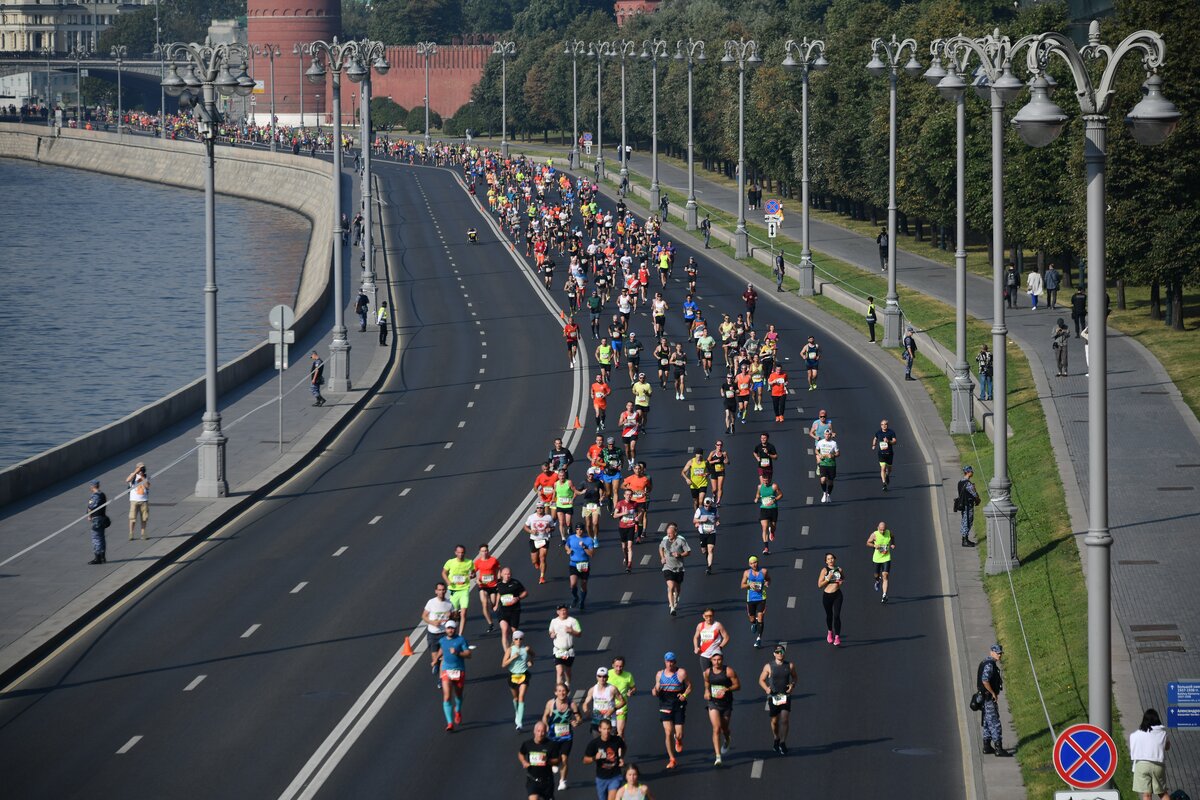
(743, 53)
(892, 51)
(428, 50)
(46, 52)
(805, 56)
(623, 49)
(78, 54)
(575, 48)
(1150, 122)
(693, 52)
(271, 51)
(119, 52)
(347, 57)
(599, 51)
(197, 73)
(654, 49)
(371, 56)
(504, 50)
(300, 49)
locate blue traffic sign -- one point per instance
(1085, 756)
(772, 207)
(587, 137)
(1183, 716)
(1183, 693)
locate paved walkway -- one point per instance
(1154, 472)
(48, 586)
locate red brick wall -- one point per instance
(453, 73)
(284, 23)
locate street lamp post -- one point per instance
(892, 51)
(804, 59)
(208, 69)
(118, 53)
(693, 51)
(47, 52)
(654, 49)
(743, 53)
(599, 51)
(504, 50)
(342, 56)
(574, 48)
(428, 50)
(300, 50)
(623, 49)
(1150, 122)
(78, 53)
(372, 55)
(271, 51)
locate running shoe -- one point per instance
(829, 637)
(758, 642)
(678, 744)
(541, 579)
(877, 584)
(562, 785)
(673, 610)
(717, 761)
(771, 536)
(728, 743)
(708, 570)
(837, 641)
(766, 550)
(671, 764)
(458, 718)
(783, 748)
(883, 599)
(449, 727)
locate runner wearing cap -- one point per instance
(720, 682)
(563, 630)
(755, 581)
(454, 649)
(518, 659)
(707, 521)
(612, 459)
(811, 353)
(672, 687)
(603, 700)
(539, 526)
(641, 390)
(778, 680)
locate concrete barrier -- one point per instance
(299, 184)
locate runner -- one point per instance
(692, 270)
(604, 357)
(642, 390)
(518, 659)
(630, 424)
(720, 682)
(672, 687)
(751, 299)
(882, 543)
(704, 352)
(612, 458)
(622, 678)
(709, 639)
(437, 612)
(633, 357)
(571, 330)
(671, 551)
(690, 307)
(579, 548)
(539, 526)
(564, 503)
(457, 572)
(884, 445)
(543, 484)
(560, 457)
(679, 370)
(626, 513)
(560, 717)
(765, 456)
(607, 752)
(811, 353)
(758, 380)
(718, 462)
(454, 673)
(830, 583)
(506, 602)
(595, 307)
(563, 630)
(729, 401)
(707, 521)
(633, 789)
(822, 423)
(755, 581)
(487, 568)
(768, 496)
(539, 758)
(640, 484)
(658, 309)
(603, 699)
(662, 353)
(695, 475)
(593, 495)
(826, 452)
(779, 391)
(744, 383)
(778, 680)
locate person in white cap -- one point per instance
(603, 699)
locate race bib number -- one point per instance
(458, 580)
(639, 496)
(707, 527)
(453, 674)
(779, 699)
(768, 502)
(508, 599)
(539, 543)
(582, 566)
(883, 445)
(764, 462)
(755, 586)
(537, 759)
(561, 730)
(718, 692)
(487, 580)
(707, 636)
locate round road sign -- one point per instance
(1085, 756)
(282, 317)
(772, 207)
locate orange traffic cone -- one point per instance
(577, 426)
(562, 316)
(407, 649)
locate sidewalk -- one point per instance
(50, 591)
(1153, 474)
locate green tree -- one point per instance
(386, 113)
(356, 19)
(409, 21)
(416, 120)
(134, 29)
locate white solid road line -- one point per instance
(375, 520)
(195, 682)
(791, 602)
(756, 768)
(250, 631)
(339, 551)
(407, 489)
(125, 748)
(299, 587)
(625, 598)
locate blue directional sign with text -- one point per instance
(1183, 693)
(1183, 716)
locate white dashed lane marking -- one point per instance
(430, 469)
(674, 498)
(299, 587)
(625, 598)
(448, 445)
(375, 520)
(808, 500)
(791, 602)
(804, 530)
(125, 748)
(662, 528)
(196, 681)
(337, 553)
(604, 640)
(756, 768)
(250, 631)
(462, 423)
(799, 563)
(407, 489)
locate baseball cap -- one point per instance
(669, 655)
(602, 672)
(518, 634)
(95, 483)
(997, 649)
(451, 624)
(967, 469)
(708, 501)
(753, 559)
(779, 649)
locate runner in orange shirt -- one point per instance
(543, 484)
(571, 335)
(487, 570)
(600, 393)
(744, 381)
(779, 390)
(640, 484)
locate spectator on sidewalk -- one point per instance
(965, 504)
(316, 377)
(780, 268)
(97, 514)
(1148, 747)
(138, 483)
(1012, 284)
(706, 229)
(991, 682)
(381, 319)
(1079, 310)
(362, 304)
(624, 190)
(1061, 337)
(910, 353)
(984, 360)
(664, 205)
(1034, 286)
(1052, 280)
(872, 318)
(882, 241)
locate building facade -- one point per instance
(33, 26)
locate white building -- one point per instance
(30, 26)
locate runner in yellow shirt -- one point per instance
(457, 573)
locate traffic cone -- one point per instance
(407, 649)
(562, 316)
(577, 426)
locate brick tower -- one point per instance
(283, 23)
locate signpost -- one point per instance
(587, 144)
(1085, 757)
(281, 335)
(772, 229)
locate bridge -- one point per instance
(97, 67)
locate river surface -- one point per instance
(101, 295)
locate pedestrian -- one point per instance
(1012, 283)
(778, 680)
(381, 318)
(138, 483)
(882, 241)
(990, 682)
(345, 228)
(624, 186)
(965, 503)
(97, 514)
(1052, 280)
(984, 360)
(780, 268)
(1079, 310)
(872, 318)
(1148, 747)
(664, 205)
(362, 305)
(910, 353)
(706, 229)
(1034, 286)
(1061, 337)
(357, 227)
(316, 377)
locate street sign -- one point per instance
(1085, 756)
(1078, 794)
(587, 138)
(83, 73)
(772, 207)
(282, 317)
(772, 229)
(281, 337)
(1183, 693)
(260, 86)
(1183, 716)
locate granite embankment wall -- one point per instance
(300, 184)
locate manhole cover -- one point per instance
(915, 751)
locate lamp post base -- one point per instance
(892, 319)
(339, 362)
(210, 459)
(690, 213)
(600, 174)
(962, 405)
(504, 149)
(1001, 517)
(655, 196)
(741, 242)
(573, 158)
(804, 274)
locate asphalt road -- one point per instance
(295, 614)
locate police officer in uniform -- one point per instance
(991, 682)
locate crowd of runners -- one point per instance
(615, 272)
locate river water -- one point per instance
(101, 295)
